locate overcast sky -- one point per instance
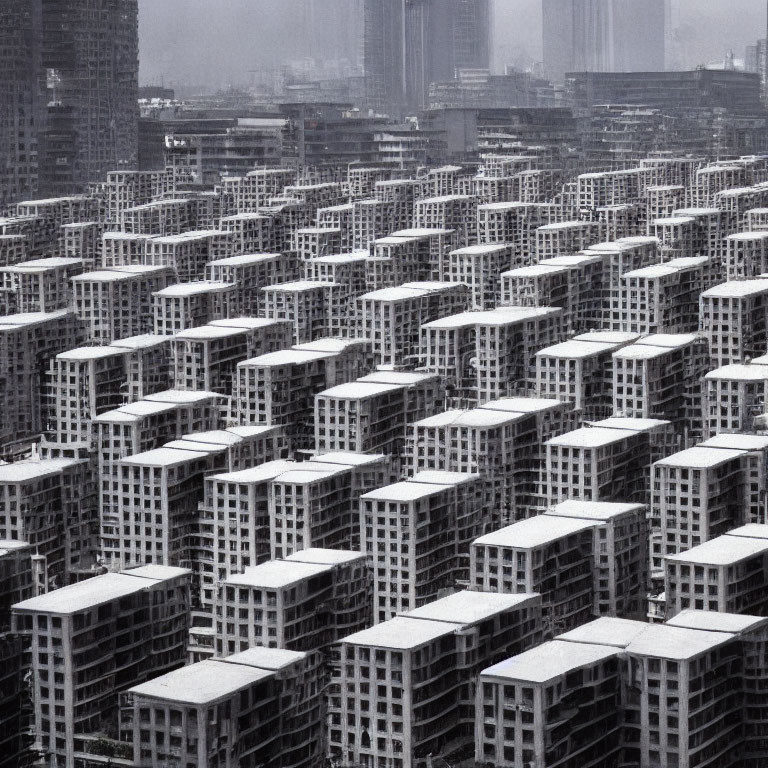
(217, 42)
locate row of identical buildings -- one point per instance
(464, 464)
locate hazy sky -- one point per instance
(217, 42)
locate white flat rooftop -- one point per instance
(549, 661)
(348, 459)
(299, 286)
(439, 419)
(24, 471)
(270, 659)
(633, 424)
(403, 633)
(593, 510)
(750, 530)
(535, 532)
(178, 290)
(83, 354)
(737, 441)
(276, 574)
(700, 458)
(329, 557)
(577, 349)
(722, 550)
(182, 396)
(494, 317)
(359, 390)
(400, 378)
(92, 592)
(285, 357)
(715, 621)
(590, 437)
(606, 630)
(739, 372)
(737, 288)
(208, 333)
(522, 404)
(472, 607)
(245, 259)
(443, 477)
(400, 293)
(202, 683)
(330, 345)
(670, 340)
(671, 642)
(406, 491)
(261, 474)
(166, 457)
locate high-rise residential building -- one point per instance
(410, 44)
(405, 690)
(259, 707)
(417, 533)
(22, 96)
(108, 633)
(603, 36)
(727, 574)
(307, 602)
(92, 122)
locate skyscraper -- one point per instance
(603, 36)
(412, 43)
(21, 98)
(90, 51)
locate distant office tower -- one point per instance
(603, 36)
(21, 98)
(91, 54)
(411, 43)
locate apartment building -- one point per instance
(415, 254)
(372, 414)
(405, 690)
(480, 267)
(565, 238)
(51, 504)
(259, 707)
(659, 377)
(663, 298)
(676, 236)
(524, 701)
(698, 494)
(248, 233)
(116, 303)
(207, 357)
(187, 253)
(656, 696)
(188, 305)
(625, 255)
(746, 255)
(580, 371)
(553, 555)
(734, 318)
(733, 398)
(662, 200)
(81, 384)
(308, 304)
(347, 271)
(165, 218)
(515, 223)
(602, 463)
(727, 574)
(316, 504)
(417, 533)
(27, 342)
(280, 387)
(251, 273)
(501, 440)
(391, 318)
(91, 641)
(487, 355)
(119, 249)
(40, 285)
(307, 602)
(452, 211)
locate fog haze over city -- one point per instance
(220, 42)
